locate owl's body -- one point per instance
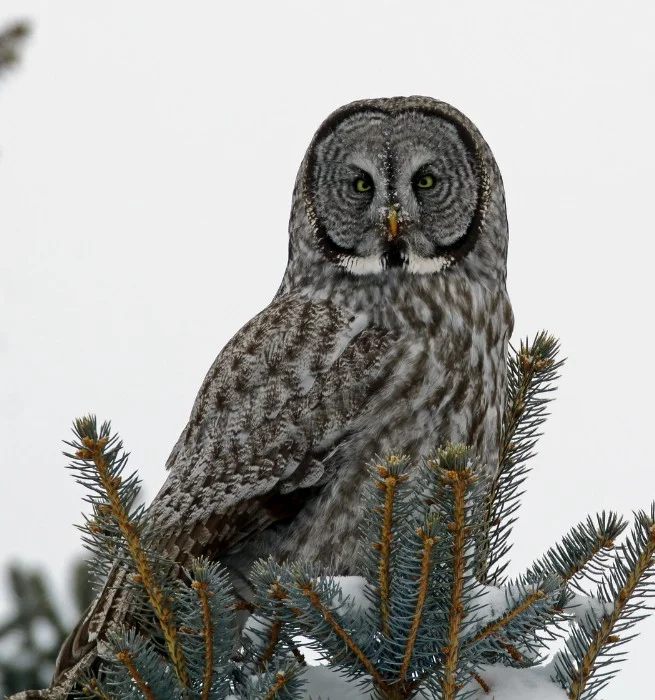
(375, 382)
(389, 332)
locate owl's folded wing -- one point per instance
(280, 396)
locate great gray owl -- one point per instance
(389, 331)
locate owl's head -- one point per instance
(403, 185)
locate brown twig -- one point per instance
(278, 593)
(481, 682)
(208, 633)
(125, 658)
(94, 689)
(601, 543)
(344, 636)
(494, 627)
(273, 639)
(300, 657)
(428, 544)
(513, 652)
(388, 484)
(458, 481)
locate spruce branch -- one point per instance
(533, 616)
(457, 476)
(205, 604)
(99, 460)
(201, 588)
(583, 552)
(275, 640)
(495, 627)
(268, 636)
(391, 476)
(271, 645)
(532, 371)
(583, 667)
(309, 590)
(186, 628)
(429, 540)
(127, 659)
(137, 671)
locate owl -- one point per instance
(389, 332)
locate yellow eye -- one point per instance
(363, 184)
(425, 182)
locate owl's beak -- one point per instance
(392, 222)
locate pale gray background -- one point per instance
(148, 151)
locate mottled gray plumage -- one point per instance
(389, 331)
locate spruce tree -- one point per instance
(433, 613)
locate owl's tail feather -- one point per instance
(83, 647)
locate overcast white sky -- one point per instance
(147, 158)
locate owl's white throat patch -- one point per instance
(412, 263)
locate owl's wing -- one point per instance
(278, 398)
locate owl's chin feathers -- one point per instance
(408, 261)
